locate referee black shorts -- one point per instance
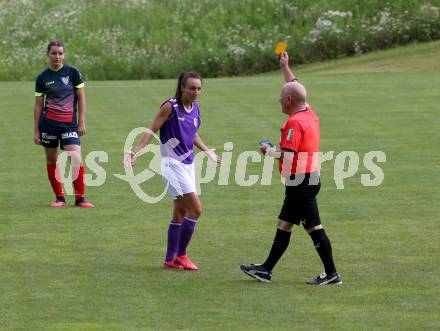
(300, 205)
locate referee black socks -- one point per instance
(279, 246)
(324, 249)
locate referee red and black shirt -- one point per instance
(300, 134)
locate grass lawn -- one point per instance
(100, 269)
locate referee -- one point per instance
(298, 163)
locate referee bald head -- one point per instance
(293, 97)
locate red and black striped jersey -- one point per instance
(58, 88)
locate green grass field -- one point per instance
(71, 269)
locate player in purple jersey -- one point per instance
(59, 92)
(178, 121)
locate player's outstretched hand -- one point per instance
(213, 156)
(130, 159)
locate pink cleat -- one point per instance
(186, 263)
(172, 265)
(58, 203)
(83, 203)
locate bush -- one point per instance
(139, 39)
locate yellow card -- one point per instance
(281, 48)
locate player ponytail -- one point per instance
(181, 82)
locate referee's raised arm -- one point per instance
(287, 72)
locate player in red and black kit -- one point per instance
(59, 92)
(299, 164)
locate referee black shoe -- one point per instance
(324, 279)
(257, 271)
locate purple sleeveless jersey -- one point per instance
(178, 132)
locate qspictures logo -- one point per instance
(346, 164)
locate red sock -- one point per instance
(56, 185)
(78, 183)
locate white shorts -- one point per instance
(179, 177)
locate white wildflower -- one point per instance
(429, 10)
(337, 13)
(236, 51)
(357, 47)
(323, 23)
